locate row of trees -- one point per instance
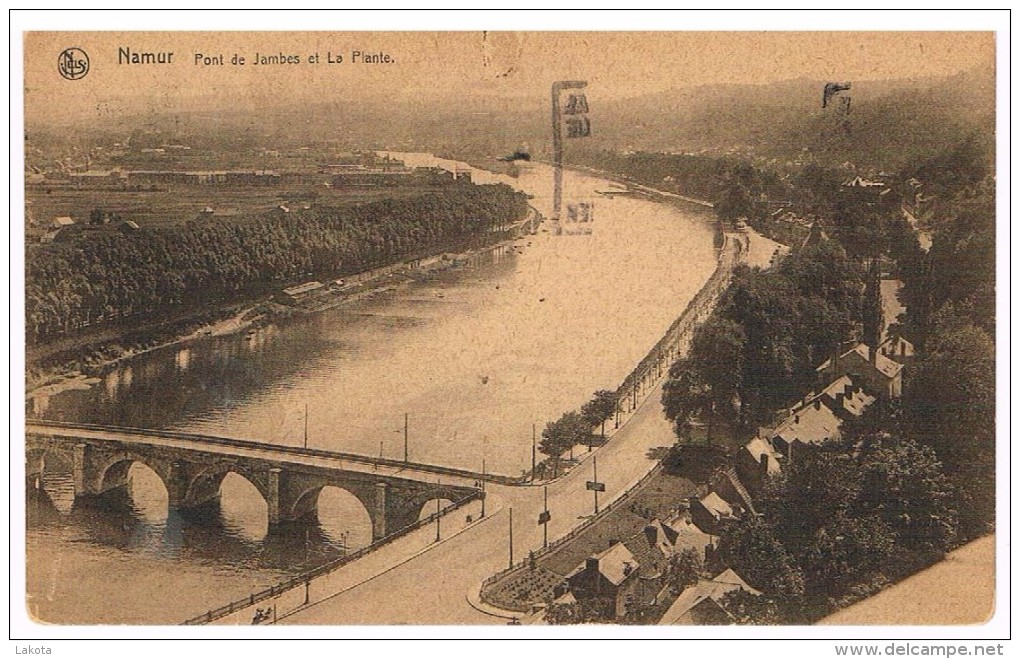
(575, 428)
(96, 276)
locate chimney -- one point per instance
(818, 404)
(764, 462)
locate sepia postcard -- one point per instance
(508, 328)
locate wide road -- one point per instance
(432, 588)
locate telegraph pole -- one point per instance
(533, 453)
(405, 436)
(544, 517)
(306, 425)
(483, 487)
(511, 537)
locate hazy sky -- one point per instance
(451, 64)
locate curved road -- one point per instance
(432, 588)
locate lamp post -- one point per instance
(483, 487)
(594, 485)
(544, 517)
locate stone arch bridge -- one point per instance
(192, 467)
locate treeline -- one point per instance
(97, 275)
(914, 478)
(769, 331)
(694, 176)
(840, 522)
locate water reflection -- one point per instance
(229, 531)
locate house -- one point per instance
(897, 349)
(811, 425)
(703, 603)
(62, 222)
(301, 291)
(755, 462)
(709, 512)
(727, 485)
(689, 536)
(874, 371)
(652, 548)
(611, 575)
(128, 226)
(845, 398)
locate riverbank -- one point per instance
(78, 364)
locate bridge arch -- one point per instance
(111, 471)
(339, 511)
(421, 504)
(203, 485)
(307, 500)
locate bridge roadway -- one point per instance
(284, 455)
(289, 478)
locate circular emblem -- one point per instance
(73, 63)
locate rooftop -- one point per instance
(814, 424)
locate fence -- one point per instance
(306, 577)
(699, 304)
(576, 531)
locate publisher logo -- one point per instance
(73, 63)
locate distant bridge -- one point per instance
(192, 467)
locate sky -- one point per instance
(461, 64)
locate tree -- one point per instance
(562, 435)
(600, 409)
(950, 403)
(845, 518)
(685, 569)
(685, 396)
(751, 548)
(593, 610)
(740, 194)
(717, 352)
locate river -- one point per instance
(474, 356)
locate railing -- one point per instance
(306, 577)
(573, 533)
(287, 450)
(682, 324)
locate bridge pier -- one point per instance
(378, 513)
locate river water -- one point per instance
(474, 356)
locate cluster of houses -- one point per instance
(633, 572)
